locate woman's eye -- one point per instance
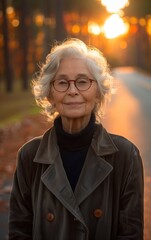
(82, 81)
(62, 82)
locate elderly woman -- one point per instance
(77, 181)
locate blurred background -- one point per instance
(121, 29)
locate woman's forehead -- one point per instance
(73, 65)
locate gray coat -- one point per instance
(107, 203)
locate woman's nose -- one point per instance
(72, 88)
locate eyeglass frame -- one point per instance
(74, 81)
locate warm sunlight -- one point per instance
(94, 28)
(115, 26)
(149, 27)
(114, 5)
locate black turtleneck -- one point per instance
(73, 148)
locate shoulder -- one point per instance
(25, 164)
(127, 150)
(125, 146)
(128, 153)
(122, 143)
(115, 142)
(30, 148)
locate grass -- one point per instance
(16, 105)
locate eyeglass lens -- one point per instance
(81, 84)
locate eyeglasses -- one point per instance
(81, 83)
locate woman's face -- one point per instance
(72, 103)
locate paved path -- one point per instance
(4, 207)
(129, 114)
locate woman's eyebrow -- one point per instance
(65, 76)
(61, 76)
(82, 75)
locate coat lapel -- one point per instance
(95, 170)
(54, 177)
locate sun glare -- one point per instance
(115, 26)
(114, 5)
(94, 28)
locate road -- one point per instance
(129, 114)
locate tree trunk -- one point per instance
(49, 35)
(24, 41)
(60, 33)
(8, 68)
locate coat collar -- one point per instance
(102, 144)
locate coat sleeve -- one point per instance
(131, 220)
(20, 214)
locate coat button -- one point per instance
(50, 217)
(98, 213)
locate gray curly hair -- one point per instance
(96, 64)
